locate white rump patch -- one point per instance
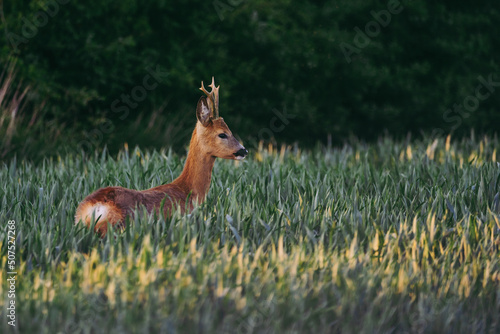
(99, 210)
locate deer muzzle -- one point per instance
(240, 154)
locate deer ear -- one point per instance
(203, 111)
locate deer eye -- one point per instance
(222, 135)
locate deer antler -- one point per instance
(213, 98)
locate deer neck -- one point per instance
(197, 173)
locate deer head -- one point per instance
(215, 138)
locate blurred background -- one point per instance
(82, 75)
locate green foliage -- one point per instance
(279, 55)
(368, 238)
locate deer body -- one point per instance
(211, 139)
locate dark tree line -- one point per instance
(107, 72)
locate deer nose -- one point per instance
(241, 153)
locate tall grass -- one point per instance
(28, 128)
(11, 101)
(24, 129)
(389, 237)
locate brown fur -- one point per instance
(114, 204)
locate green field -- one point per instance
(379, 238)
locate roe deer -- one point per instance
(211, 138)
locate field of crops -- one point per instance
(387, 237)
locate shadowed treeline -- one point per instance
(107, 72)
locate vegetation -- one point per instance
(386, 237)
(331, 234)
(316, 60)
